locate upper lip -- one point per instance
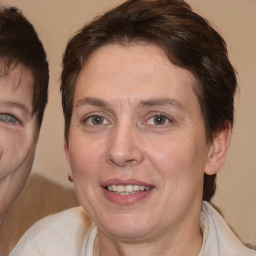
(125, 182)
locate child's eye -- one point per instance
(158, 120)
(8, 118)
(96, 120)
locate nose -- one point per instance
(125, 147)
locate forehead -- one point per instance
(134, 71)
(16, 85)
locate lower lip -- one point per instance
(126, 199)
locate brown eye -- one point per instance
(96, 120)
(158, 120)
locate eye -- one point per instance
(96, 120)
(158, 120)
(8, 118)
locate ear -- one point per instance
(66, 150)
(218, 150)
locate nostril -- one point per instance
(122, 161)
(130, 161)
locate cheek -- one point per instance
(14, 150)
(85, 156)
(180, 171)
(178, 158)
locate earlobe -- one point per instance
(66, 150)
(218, 150)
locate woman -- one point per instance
(147, 93)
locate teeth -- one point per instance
(120, 189)
(136, 187)
(142, 188)
(128, 189)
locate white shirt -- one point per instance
(72, 233)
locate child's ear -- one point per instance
(218, 150)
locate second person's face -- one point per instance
(137, 146)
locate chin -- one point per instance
(126, 228)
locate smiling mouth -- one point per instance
(127, 189)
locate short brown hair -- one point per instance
(188, 41)
(19, 44)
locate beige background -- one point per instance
(57, 20)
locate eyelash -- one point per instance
(8, 118)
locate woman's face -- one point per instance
(18, 133)
(137, 146)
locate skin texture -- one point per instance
(18, 133)
(137, 120)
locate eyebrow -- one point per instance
(166, 102)
(92, 101)
(145, 103)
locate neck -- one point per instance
(174, 243)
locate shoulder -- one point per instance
(218, 237)
(57, 234)
(71, 218)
